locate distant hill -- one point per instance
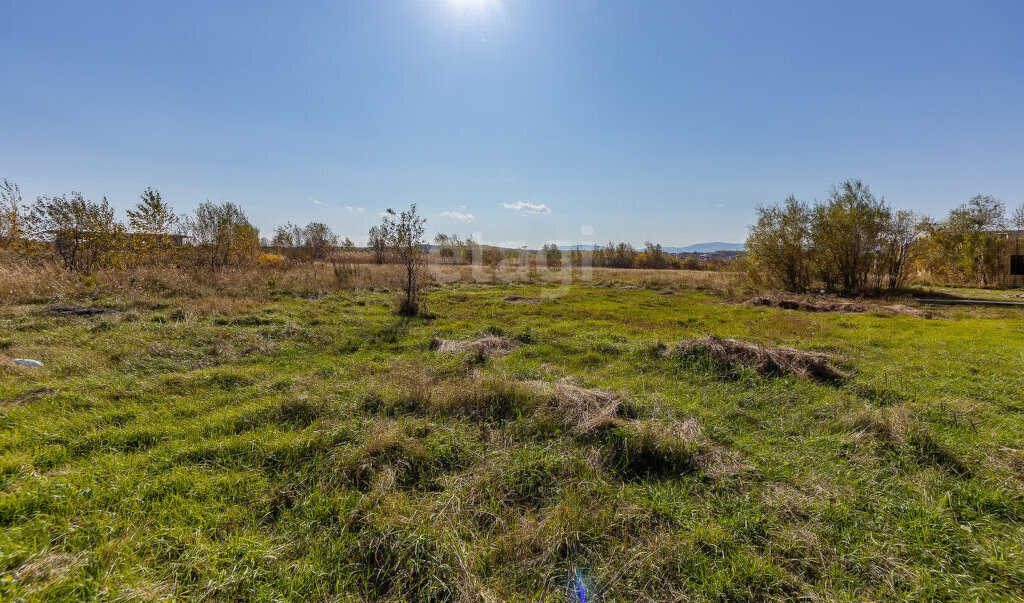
(695, 248)
(706, 247)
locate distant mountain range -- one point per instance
(706, 247)
(695, 248)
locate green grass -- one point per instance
(318, 449)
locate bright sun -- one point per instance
(478, 6)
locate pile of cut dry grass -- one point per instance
(583, 410)
(484, 347)
(906, 310)
(806, 304)
(631, 446)
(522, 299)
(766, 360)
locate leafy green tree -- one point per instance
(552, 256)
(152, 223)
(778, 245)
(85, 234)
(847, 232)
(222, 235)
(971, 241)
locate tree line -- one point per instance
(855, 242)
(84, 234)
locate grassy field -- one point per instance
(317, 447)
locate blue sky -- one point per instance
(553, 120)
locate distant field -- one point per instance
(303, 443)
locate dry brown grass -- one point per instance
(23, 282)
(483, 347)
(806, 304)
(49, 566)
(901, 431)
(582, 410)
(820, 303)
(766, 360)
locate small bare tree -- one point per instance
(897, 243)
(402, 234)
(318, 240)
(377, 244)
(10, 214)
(1017, 220)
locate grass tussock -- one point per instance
(583, 410)
(732, 354)
(899, 431)
(482, 348)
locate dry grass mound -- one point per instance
(899, 430)
(583, 410)
(806, 304)
(47, 566)
(766, 360)
(522, 299)
(483, 347)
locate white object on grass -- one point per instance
(27, 362)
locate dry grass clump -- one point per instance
(635, 448)
(408, 454)
(905, 310)
(641, 449)
(47, 566)
(483, 347)
(583, 410)
(902, 432)
(806, 304)
(765, 360)
(831, 304)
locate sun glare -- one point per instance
(473, 6)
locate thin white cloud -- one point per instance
(317, 202)
(457, 215)
(525, 207)
(353, 210)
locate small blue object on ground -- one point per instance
(27, 362)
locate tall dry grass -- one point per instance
(28, 283)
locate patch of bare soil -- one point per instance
(78, 310)
(485, 347)
(806, 304)
(522, 299)
(766, 360)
